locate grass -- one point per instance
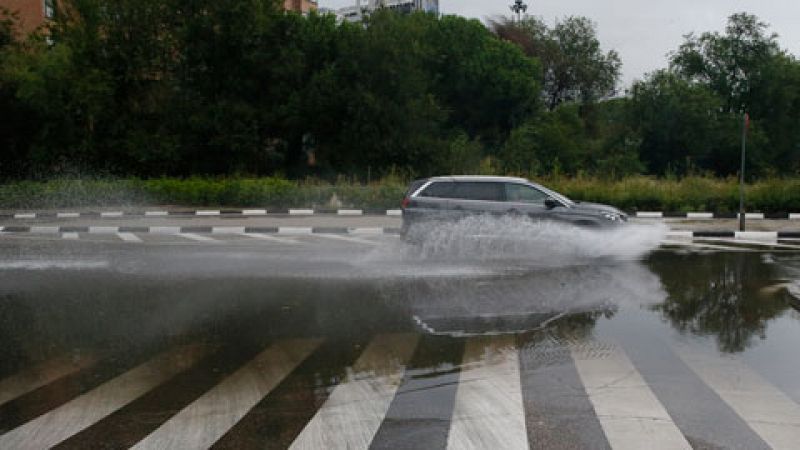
(634, 193)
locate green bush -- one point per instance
(634, 193)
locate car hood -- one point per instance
(595, 208)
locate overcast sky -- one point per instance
(642, 31)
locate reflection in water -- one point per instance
(721, 295)
(524, 302)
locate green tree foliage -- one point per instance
(575, 68)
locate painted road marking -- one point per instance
(350, 212)
(111, 214)
(67, 215)
(197, 237)
(25, 216)
(700, 215)
(156, 213)
(209, 417)
(337, 237)
(82, 412)
(44, 230)
(207, 213)
(254, 212)
(489, 411)
(301, 212)
(767, 410)
(40, 375)
(70, 236)
(394, 212)
(267, 237)
(129, 237)
(103, 230)
(628, 410)
(650, 214)
(295, 230)
(355, 409)
(227, 230)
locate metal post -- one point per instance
(745, 121)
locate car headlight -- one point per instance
(614, 217)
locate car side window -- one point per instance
(479, 190)
(524, 194)
(439, 189)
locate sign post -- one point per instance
(745, 126)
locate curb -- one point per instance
(745, 235)
(201, 213)
(349, 212)
(208, 230)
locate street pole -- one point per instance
(745, 124)
(518, 8)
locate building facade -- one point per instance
(31, 13)
(301, 6)
(356, 12)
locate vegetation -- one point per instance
(241, 90)
(632, 194)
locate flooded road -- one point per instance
(356, 342)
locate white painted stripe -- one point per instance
(753, 216)
(794, 216)
(25, 216)
(165, 230)
(353, 412)
(209, 417)
(207, 213)
(267, 237)
(67, 215)
(767, 410)
(103, 230)
(227, 230)
(70, 236)
(197, 237)
(45, 230)
(129, 237)
(394, 212)
(629, 412)
(488, 410)
(699, 215)
(40, 375)
(350, 212)
(111, 214)
(757, 235)
(156, 213)
(376, 230)
(301, 212)
(338, 237)
(650, 214)
(254, 212)
(295, 230)
(82, 412)
(679, 234)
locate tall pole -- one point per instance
(745, 124)
(518, 8)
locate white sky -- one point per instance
(641, 31)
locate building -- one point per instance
(356, 12)
(301, 6)
(31, 13)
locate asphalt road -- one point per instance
(322, 341)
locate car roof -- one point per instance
(478, 178)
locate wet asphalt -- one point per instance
(336, 343)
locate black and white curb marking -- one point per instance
(743, 235)
(202, 213)
(197, 229)
(714, 215)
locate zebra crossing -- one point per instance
(310, 393)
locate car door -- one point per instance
(526, 200)
(434, 202)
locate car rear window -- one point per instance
(479, 191)
(440, 189)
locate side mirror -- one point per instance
(551, 203)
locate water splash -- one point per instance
(524, 242)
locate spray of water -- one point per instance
(523, 242)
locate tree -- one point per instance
(575, 69)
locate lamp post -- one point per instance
(518, 8)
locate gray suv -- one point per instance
(454, 197)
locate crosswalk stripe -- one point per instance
(355, 409)
(58, 424)
(628, 410)
(489, 411)
(129, 237)
(336, 237)
(266, 237)
(40, 375)
(70, 236)
(767, 410)
(209, 417)
(197, 237)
